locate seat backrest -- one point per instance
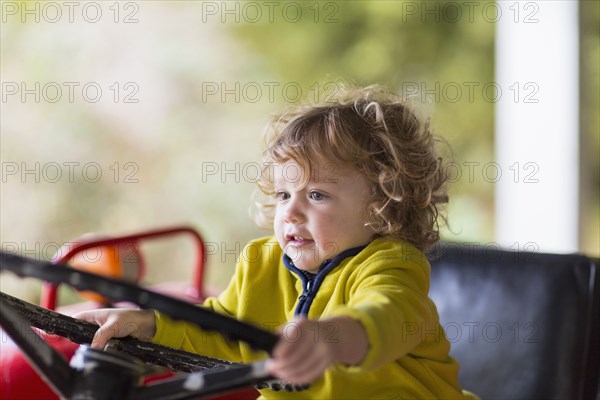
(523, 325)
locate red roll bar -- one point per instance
(49, 290)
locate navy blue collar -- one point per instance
(312, 282)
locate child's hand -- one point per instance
(116, 323)
(301, 355)
(306, 348)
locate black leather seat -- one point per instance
(523, 325)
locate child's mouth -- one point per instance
(298, 241)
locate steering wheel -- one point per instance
(115, 373)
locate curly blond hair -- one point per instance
(376, 133)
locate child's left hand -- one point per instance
(306, 348)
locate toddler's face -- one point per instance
(318, 220)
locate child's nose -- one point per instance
(293, 211)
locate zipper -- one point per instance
(307, 291)
(309, 285)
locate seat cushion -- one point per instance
(522, 325)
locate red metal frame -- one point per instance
(50, 291)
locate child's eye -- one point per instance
(317, 196)
(282, 196)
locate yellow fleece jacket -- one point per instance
(384, 287)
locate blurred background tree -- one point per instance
(187, 88)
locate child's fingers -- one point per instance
(290, 339)
(99, 341)
(291, 335)
(306, 364)
(88, 316)
(300, 356)
(305, 372)
(112, 323)
(294, 353)
(107, 331)
(98, 317)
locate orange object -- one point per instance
(105, 261)
(116, 261)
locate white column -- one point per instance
(537, 125)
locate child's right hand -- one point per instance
(116, 323)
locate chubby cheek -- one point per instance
(328, 250)
(342, 231)
(327, 234)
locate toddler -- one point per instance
(354, 188)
